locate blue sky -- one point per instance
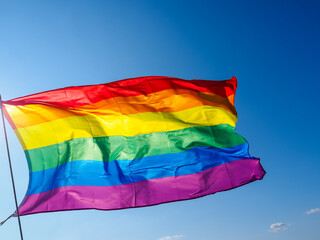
(272, 47)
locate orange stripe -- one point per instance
(165, 101)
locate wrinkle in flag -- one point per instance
(131, 143)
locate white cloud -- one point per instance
(276, 227)
(173, 237)
(314, 210)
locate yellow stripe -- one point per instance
(61, 130)
(172, 100)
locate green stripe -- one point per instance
(129, 148)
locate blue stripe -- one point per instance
(99, 173)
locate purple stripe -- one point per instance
(145, 193)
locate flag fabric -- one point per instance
(130, 143)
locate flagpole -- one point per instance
(11, 172)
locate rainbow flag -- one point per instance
(130, 143)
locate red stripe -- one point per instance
(83, 95)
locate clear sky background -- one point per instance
(272, 47)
